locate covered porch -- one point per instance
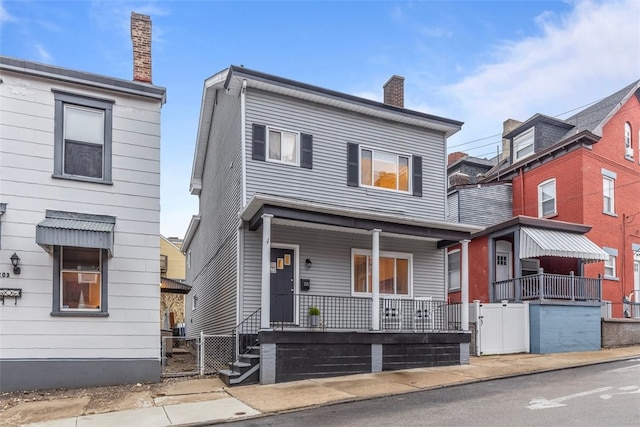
(539, 259)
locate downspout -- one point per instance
(243, 137)
(522, 205)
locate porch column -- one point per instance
(265, 294)
(464, 284)
(375, 279)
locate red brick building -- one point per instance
(584, 170)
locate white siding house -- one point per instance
(80, 191)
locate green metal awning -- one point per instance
(537, 242)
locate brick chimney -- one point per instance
(454, 157)
(141, 38)
(394, 91)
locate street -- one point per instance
(598, 395)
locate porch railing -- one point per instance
(354, 313)
(548, 286)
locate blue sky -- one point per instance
(480, 62)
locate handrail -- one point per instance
(548, 286)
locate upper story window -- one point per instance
(395, 273)
(628, 142)
(608, 185)
(547, 198)
(368, 167)
(280, 146)
(283, 146)
(83, 129)
(384, 170)
(523, 144)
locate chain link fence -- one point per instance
(206, 354)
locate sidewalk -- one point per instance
(209, 401)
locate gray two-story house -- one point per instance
(321, 212)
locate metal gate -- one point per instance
(503, 328)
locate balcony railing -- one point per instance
(548, 286)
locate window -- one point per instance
(82, 138)
(395, 272)
(283, 146)
(194, 302)
(189, 259)
(610, 264)
(529, 266)
(453, 270)
(384, 170)
(628, 143)
(547, 198)
(608, 184)
(523, 144)
(164, 262)
(80, 284)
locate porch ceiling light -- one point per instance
(308, 263)
(15, 261)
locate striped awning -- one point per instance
(537, 242)
(75, 229)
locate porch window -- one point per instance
(383, 169)
(395, 273)
(453, 270)
(547, 198)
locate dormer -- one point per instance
(534, 135)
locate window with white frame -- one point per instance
(628, 142)
(283, 146)
(547, 198)
(80, 279)
(383, 169)
(83, 130)
(608, 185)
(610, 264)
(395, 272)
(523, 144)
(453, 270)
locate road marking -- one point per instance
(631, 389)
(542, 403)
(626, 368)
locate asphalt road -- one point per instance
(598, 395)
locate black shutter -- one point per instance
(353, 168)
(417, 176)
(259, 142)
(306, 146)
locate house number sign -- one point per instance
(4, 275)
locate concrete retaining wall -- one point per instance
(620, 332)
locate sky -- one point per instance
(479, 62)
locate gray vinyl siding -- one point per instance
(452, 207)
(332, 129)
(330, 252)
(484, 206)
(213, 272)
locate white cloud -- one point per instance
(580, 57)
(5, 16)
(43, 54)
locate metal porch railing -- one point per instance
(548, 286)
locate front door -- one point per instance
(282, 285)
(503, 260)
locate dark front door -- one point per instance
(282, 271)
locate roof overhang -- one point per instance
(319, 215)
(191, 231)
(172, 286)
(75, 229)
(538, 242)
